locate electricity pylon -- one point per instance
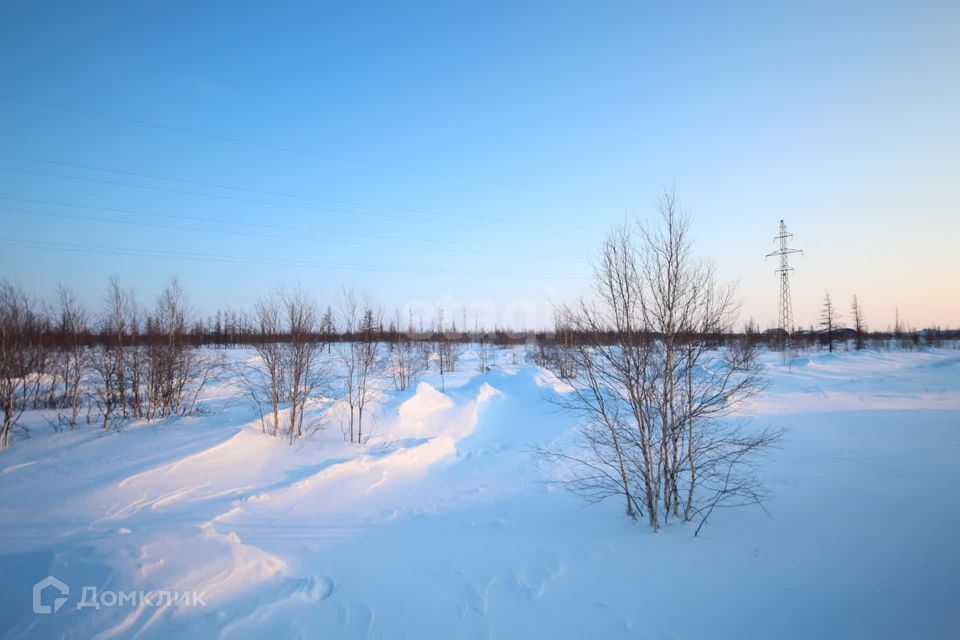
(786, 306)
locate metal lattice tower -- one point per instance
(786, 306)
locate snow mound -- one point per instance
(547, 378)
(425, 402)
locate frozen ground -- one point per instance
(444, 527)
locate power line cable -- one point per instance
(154, 225)
(228, 222)
(231, 259)
(217, 185)
(226, 197)
(194, 132)
(232, 139)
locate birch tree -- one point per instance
(176, 371)
(111, 361)
(23, 357)
(408, 359)
(447, 349)
(72, 356)
(360, 360)
(653, 392)
(263, 379)
(304, 371)
(287, 371)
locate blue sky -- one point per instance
(473, 154)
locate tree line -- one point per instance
(141, 366)
(129, 361)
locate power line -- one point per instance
(193, 132)
(226, 197)
(231, 259)
(217, 185)
(154, 225)
(238, 199)
(224, 138)
(257, 225)
(185, 181)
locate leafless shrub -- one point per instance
(447, 348)
(71, 357)
(483, 352)
(360, 360)
(23, 357)
(175, 371)
(263, 381)
(145, 365)
(110, 359)
(288, 369)
(653, 394)
(408, 358)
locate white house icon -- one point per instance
(49, 581)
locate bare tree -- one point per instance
(360, 360)
(483, 352)
(858, 325)
(408, 358)
(828, 322)
(264, 380)
(328, 327)
(110, 361)
(72, 356)
(175, 371)
(742, 349)
(137, 357)
(288, 369)
(447, 349)
(654, 393)
(146, 365)
(304, 370)
(23, 357)
(558, 354)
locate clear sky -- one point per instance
(474, 153)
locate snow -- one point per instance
(444, 526)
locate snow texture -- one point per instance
(444, 526)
